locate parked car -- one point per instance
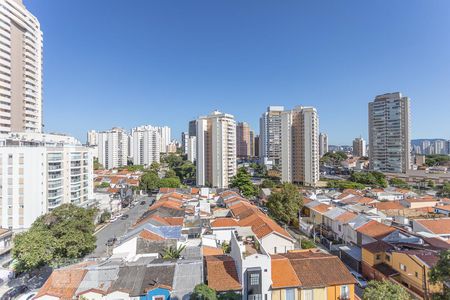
(362, 283)
(143, 202)
(14, 292)
(111, 241)
(124, 217)
(28, 296)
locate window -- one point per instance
(388, 258)
(378, 257)
(345, 292)
(308, 294)
(403, 267)
(254, 279)
(417, 275)
(290, 294)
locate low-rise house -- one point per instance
(223, 228)
(5, 242)
(410, 268)
(340, 221)
(221, 274)
(433, 227)
(443, 210)
(420, 202)
(350, 235)
(372, 231)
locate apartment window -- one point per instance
(345, 292)
(254, 279)
(290, 294)
(340, 227)
(403, 267)
(417, 275)
(388, 258)
(378, 256)
(309, 295)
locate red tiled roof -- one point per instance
(436, 226)
(283, 274)
(321, 208)
(378, 246)
(346, 217)
(375, 229)
(224, 222)
(221, 273)
(207, 251)
(387, 205)
(150, 236)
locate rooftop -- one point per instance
(221, 273)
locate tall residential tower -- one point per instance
(270, 135)
(216, 149)
(20, 68)
(389, 133)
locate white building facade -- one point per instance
(216, 149)
(146, 145)
(113, 148)
(270, 135)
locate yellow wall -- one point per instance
(334, 292)
(280, 294)
(318, 293)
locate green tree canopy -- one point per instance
(333, 158)
(436, 159)
(399, 183)
(243, 182)
(267, 183)
(64, 233)
(173, 182)
(376, 179)
(445, 190)
(385, 290)
(149, 181)
(345, 184)
(203, 292)
(285, 204)
(440, 274)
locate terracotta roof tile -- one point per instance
(378, 246)
(436, 226)
(150, 236)
(375, 229)
(224, 222)
(283, 274)
(387, 205)
(321, 208)
(221, 273)
(207, 251)
(346, 217)
(444, 207)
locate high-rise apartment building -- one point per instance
(21, 69)
(216, 149)
(359, 147)
(323, 144)
(270, 135)
(92, 138)
(252, 143)
(243, 140)
(256, 145)
(113, 148)
(146, 145)
(40, 172)
(192, 128)
(389, 133)
(165, 135)
(184, 142)
(300, 146)
(192, 149)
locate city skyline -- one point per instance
(240, 68)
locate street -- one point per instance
(119, 227)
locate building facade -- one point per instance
(146, 145)
(92, 138)
(300, 146)
(216, 149)
(113, 148)
(165, 137)
(21, 69)
(359, 147)
(389, 133)
(323, 144)
(243, 140)
(37, 176)
(270, 135)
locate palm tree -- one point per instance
(173, 252)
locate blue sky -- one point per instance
(126, 63)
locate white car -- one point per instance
(362, 283)
(27, 296)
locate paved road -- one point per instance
(119, 227)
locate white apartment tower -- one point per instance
(270, 135)
(92, 138)
(359, 147)
(165, 134)
(146, 145)
(113, 148)
(38, 175)
(216, 149)
(389, 133)
(300, 146)
(192, 148)
(323, 144)
(20, 69)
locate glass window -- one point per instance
(254, 279)
(290, 294)
(345, 292)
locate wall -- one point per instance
(318, 293)
(156, 292)
(269, 242)
(280, 294)
(334, 292)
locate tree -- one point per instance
(431, 184)
(149, 181)
(226, 247)
(345, 184)
(242, 181)
(155, 167)
(333, 158)
(64, 233)
(285, 204)
(173, 252)
(105, 216)
(97, 165)
(440, 274)
(268, 184)
(170, 174)
(376, 179)
(445, 191)
(173, 182)
(104, 185)
(203, 292)
(385, 290)
(399, 183)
